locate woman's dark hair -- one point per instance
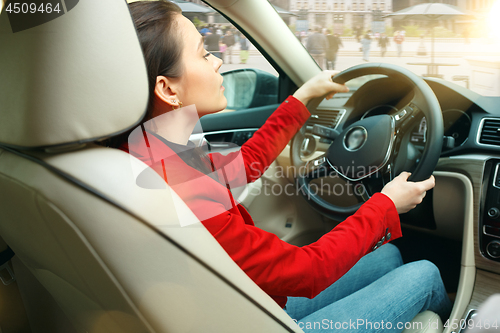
(161, 45)
(160, 41)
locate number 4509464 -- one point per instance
(471, 323)
(32, 8)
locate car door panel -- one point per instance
(240, 119)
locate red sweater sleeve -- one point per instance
(266, 143)
(277, 267)
(282, 269)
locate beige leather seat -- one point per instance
(95, 252)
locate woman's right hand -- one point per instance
(319, 85)
(407, 195)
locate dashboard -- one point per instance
(468, 118)
(471, 128)
(457, 125)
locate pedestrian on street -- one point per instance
(204, 30)
(222, 50)
(365, 45)
(229, 41)
(399, 39)
(383, 42)
(212, 43)
(334, 43)
(244, 46)
(316, 45)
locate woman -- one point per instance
(399, 38)
(181, 73)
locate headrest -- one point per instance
(78, 78)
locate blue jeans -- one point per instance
(379, 294)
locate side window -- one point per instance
(249, 80)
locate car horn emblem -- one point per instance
(355, 138)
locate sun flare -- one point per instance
(493, 21)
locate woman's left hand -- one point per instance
(319, 85)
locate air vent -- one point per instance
(490, 132)
(328, 118)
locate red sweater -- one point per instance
(279, 268)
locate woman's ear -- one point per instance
(166, 92)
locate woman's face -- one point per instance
(200, 83)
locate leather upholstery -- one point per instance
(117, 271)
(74, 79)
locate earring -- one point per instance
(180, 105)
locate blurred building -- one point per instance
(339, 15)
(480, 8)
(362, 15)
(285, 4)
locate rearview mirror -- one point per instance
(249, 87)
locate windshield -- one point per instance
(460, 43)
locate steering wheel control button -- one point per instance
(308, 147)
(363, 148)
(317, 162)
(493, 212)
(325, 132)
(360, 191)
(493, 249)
(400, 115)
(448, 142)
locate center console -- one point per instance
(489, 224)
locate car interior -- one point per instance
(85, 248)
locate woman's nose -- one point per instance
(217, 63)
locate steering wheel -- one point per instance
(374, 146)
